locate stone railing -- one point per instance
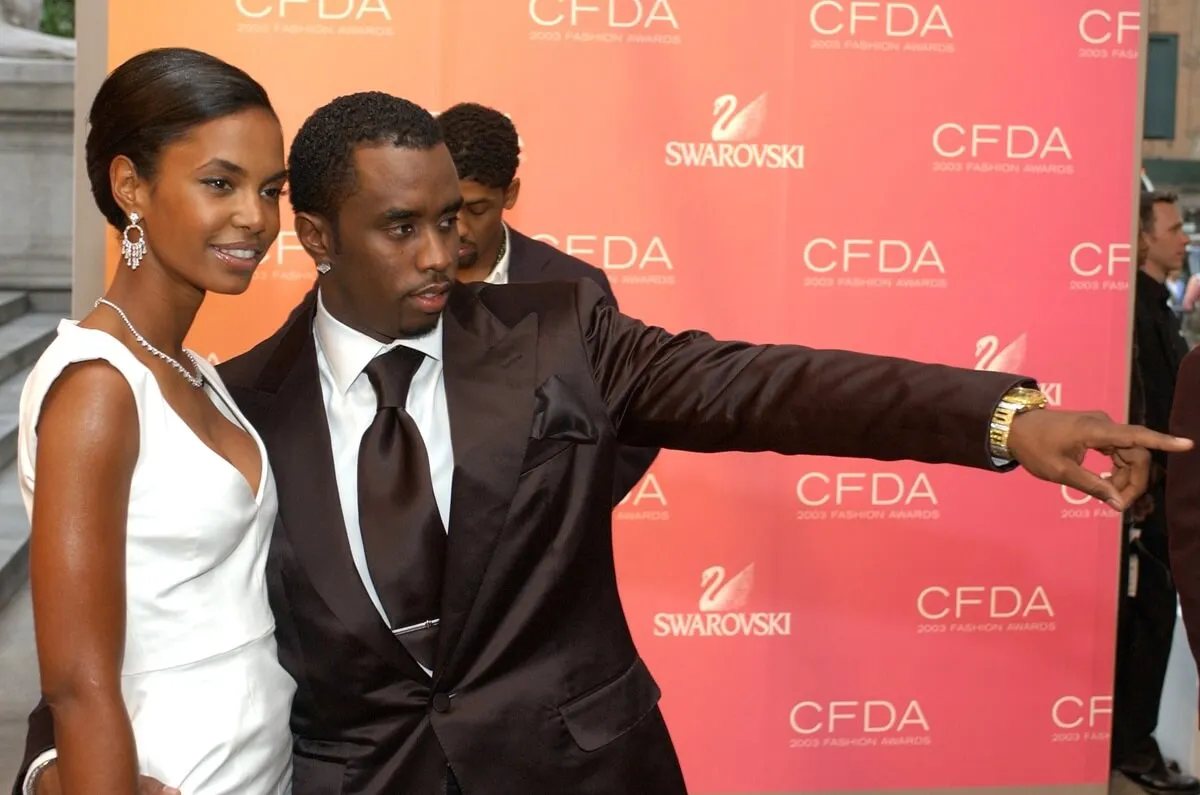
(37, 81)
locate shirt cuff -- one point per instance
(36, 769)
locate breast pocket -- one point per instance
(562, 419)
(600, 716)
(543, 451)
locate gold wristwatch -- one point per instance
(1016, 401)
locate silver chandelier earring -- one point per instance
(133, 250)
(324, 267)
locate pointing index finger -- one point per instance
(1137, 436)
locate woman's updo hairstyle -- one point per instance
(153, 99)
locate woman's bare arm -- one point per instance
(87, 448)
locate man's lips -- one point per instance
(433, 290)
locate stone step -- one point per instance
(22, 341)
(14, 536)
(10, 398)
(12, 305)
(23, 337)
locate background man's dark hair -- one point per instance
(483, 143)
(321, 164)
(1149, 199)
(153, 99)
(1146, 207)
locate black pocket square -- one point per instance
(560, 414)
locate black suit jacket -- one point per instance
(538, 688)
(1183, 499)
(532, 260)
(1159, 350)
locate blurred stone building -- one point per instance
(1171, 149)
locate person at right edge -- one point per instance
(1147, 599)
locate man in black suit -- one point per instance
(1148, 600)
(445, 596)
(487, 151)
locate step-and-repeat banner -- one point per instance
(947, 181)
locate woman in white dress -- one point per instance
(150, 496)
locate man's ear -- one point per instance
(511, 193)
(317, 236)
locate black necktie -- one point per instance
(402, 531)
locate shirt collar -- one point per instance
(499, 274)
(348, 351)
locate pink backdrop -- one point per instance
(946, 181)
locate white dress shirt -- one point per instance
(350, 405)
(499, 274)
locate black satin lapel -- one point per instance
(489, 372)
(296, 432)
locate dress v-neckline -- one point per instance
(211, 388)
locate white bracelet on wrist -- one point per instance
(35, 772)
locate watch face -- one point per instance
(1028, 397)
(1035, 401)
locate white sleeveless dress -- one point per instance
(207, 697)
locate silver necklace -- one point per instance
(195, 380)
(503, 248)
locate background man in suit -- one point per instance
(487, 151)
(1148, 605)
(441, 570)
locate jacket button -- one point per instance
(441, 702)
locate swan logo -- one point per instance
(348, 17)
(721, 613)
(734, 141)
(880, 27)
(973, 609)
(989, 356)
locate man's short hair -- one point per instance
(483, 143)
(1146, 208)
(321, 164)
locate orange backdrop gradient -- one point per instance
(965, 190)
